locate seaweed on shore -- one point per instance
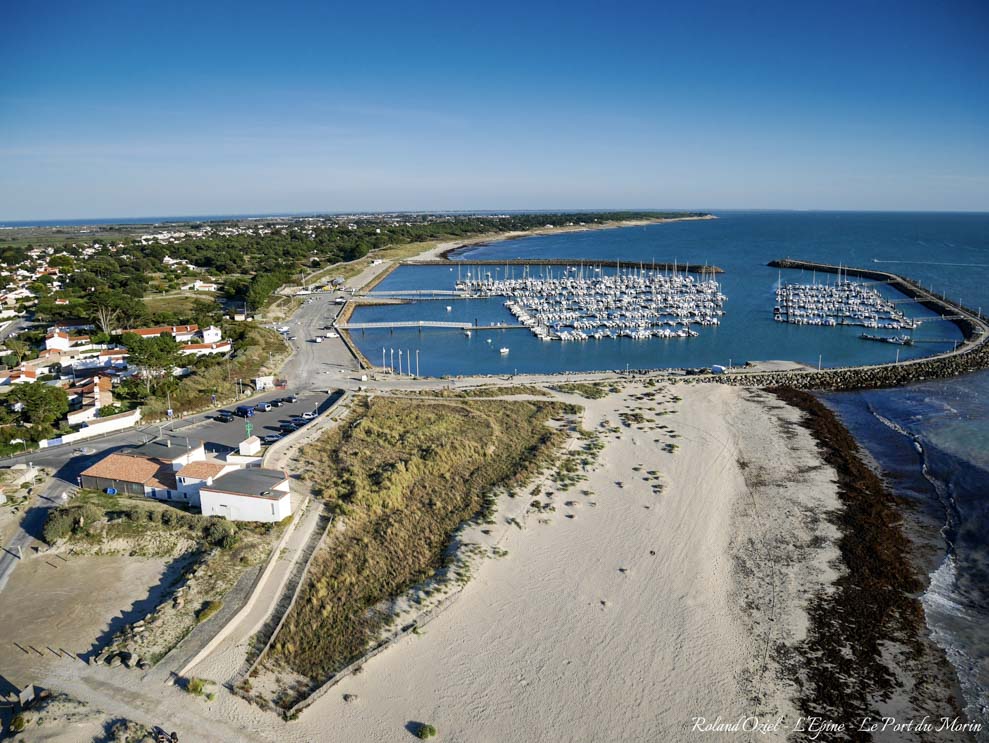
(873, 614)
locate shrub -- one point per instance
(221, 533)
(196, 686)
(207, 610)
(58, 525)
(425, 731)
(17, 723)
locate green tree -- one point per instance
(156, 357)
(19, 349)
(43, 403)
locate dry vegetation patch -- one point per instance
(404, 475)
(590, 390)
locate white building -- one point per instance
(175, 452)
(193, 477)
(212, 334)
(205, 349)
(248, 495)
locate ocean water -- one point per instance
(931, 439)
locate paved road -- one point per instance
(30, 527)
(316, 366)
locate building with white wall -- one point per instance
(248, 495)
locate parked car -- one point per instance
(309, 415)
(245, 411)
(288, 427)
(263, 407)
(277, 403)
(291, 399)
(224, 417)
(271, 438)
(332, 335)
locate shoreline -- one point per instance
(444, 253)
(885, 638)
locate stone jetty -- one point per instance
(970, 356)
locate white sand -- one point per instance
(554, 642)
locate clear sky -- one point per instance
(115, 109)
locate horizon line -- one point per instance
(8, 223)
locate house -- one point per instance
(19, 376)
(201, 286)
(148, 470)
(131, 475)
(90, 397)
(174, 452)
(197, 475)
(212, 334)
(59, 340)
(181, 333)
(248, 495)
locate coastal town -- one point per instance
(561, 374)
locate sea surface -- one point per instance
(931, 439)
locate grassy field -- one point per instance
(345, 271)
(179, 303)
(404, 475)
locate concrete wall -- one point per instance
(97, 427)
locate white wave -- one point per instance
(939, 605)
(939, 595)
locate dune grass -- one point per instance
(404, 474)
(590, 390)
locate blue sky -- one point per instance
(128, 108)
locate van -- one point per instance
(263, 407)
(245, 411)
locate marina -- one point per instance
(740, 245)
(638, 304)
(842, 303)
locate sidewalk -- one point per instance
(223, 656)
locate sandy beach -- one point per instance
(442, 249)
(625, 612)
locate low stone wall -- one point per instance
(863, 377)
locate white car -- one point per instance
(308, 415)
(332, 335)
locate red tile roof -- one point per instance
(201, 470)
(170, 329)
(124, 468)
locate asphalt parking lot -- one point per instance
(225, 436)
